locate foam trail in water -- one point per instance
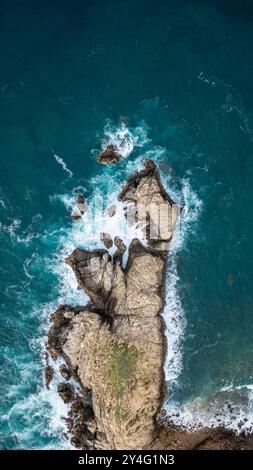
(63, 164)
(11, 229)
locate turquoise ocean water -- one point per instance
(180, 75)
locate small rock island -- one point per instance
(114, 347)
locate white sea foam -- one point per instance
(231, 407)
(124, 138)
(173, 314)
(63, 164)
(85, 233)
(175, 324)
(31, 413)
(67, 284)
(39, 412)
(69, 199)
(41, 405)
(12, 227)
(2, 203)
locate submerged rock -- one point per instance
(109, 156)
(230, 279)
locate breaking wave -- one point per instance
(230, 407)
(123, 138)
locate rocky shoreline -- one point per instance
(114, 348)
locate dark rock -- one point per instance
(49, 372)
(93, 273)
(121, 248)
(48, 375)
(87, 413)
(80, 199)
(66, 392)
(70, 423)
(77, 406)
(92, 426)
(75, 215)
(80, 208)
(149, 165)
(119, 244)
(65, 372)
(109, 156)
(58, 331)
(106, 239)
(82, 438)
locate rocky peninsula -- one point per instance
(114, 347)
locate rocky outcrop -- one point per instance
(109, 156)
(106, 239)
(93, 271)
(66, 392)
(115, 346)
(65, 371)
(151, 205)
(80, 208)
(120, 355)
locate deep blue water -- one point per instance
(180, 73)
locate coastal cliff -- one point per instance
(114, 347)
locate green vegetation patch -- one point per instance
(121, 414)
(121, 367)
